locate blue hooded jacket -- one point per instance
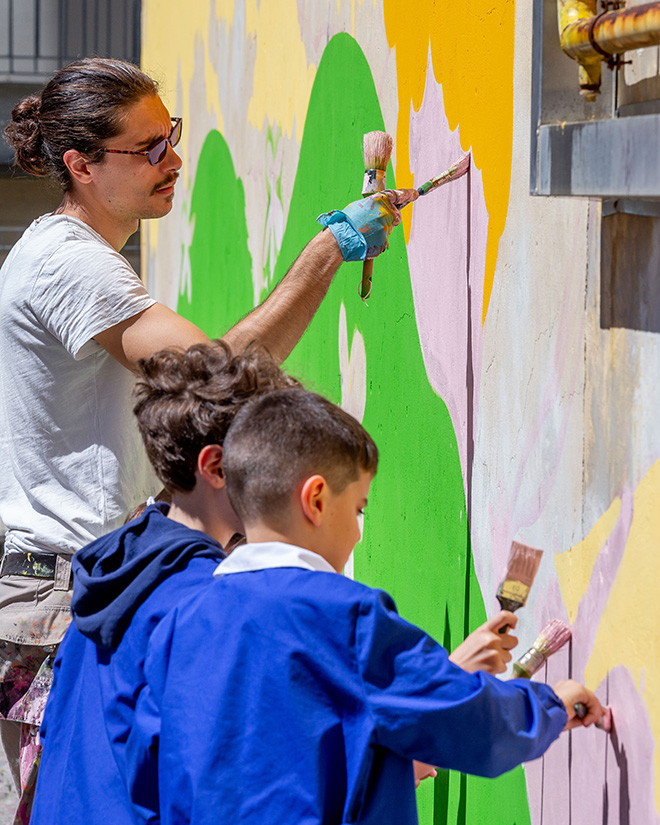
(125, 583)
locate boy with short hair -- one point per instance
(314, 695)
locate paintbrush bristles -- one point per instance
(554, 636)
(377, 150)
(522, 567)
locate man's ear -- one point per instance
(209, 465)
(78, 166)
(313, 495)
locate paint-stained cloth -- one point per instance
(26, 675)
(124, 584)
(288, 693)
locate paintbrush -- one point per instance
(453, 173)
(554, 636)
(377, 148)
(605, 722)
(521, 569)
(402, 197)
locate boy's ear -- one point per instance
(209, 465)
(78, 166)
(313, 494)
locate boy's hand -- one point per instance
(363, 227)
(571, 693)
(423, 771)
(485, 648)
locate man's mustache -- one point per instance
(168, 181)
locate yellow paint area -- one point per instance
(575, 566)
(628, 633)
(174, 41)
(283, 78)
(471, 46)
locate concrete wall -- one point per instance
(502, 408)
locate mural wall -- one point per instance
(502, 409)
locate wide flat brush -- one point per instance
(377, 148)
(552, 638)
(521, 570)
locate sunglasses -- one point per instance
(156, 152)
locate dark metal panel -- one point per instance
(630, 272)
(556, 101)
(606, 158)
(537, 58)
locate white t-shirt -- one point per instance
(73, 461)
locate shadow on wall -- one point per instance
(624, 786)
(630, 266)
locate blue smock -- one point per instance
(124, 584)
(286, 693)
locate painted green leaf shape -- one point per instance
(416, 538)
(220, 262)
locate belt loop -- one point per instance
(62, 573)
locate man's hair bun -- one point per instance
(24, 135)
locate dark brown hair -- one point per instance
(81, 107)
(187, 399)
(281, 438)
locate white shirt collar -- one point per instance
(269, 554)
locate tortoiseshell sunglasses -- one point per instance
(156, 152)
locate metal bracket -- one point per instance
(612, 61)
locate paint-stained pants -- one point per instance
(26, 675)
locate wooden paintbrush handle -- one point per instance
(365, 286)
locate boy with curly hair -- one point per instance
(127, 581)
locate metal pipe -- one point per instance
(590, 38)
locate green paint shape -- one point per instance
(220, 263)
(416, 537)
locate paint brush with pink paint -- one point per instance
(455, 171)
(552, 638)
(521, 570)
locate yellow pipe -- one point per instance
(614, 32)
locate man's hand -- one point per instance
(362, 228)
(571, 693)
(485, 648)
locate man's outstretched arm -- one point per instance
(361, 229)
(279, 322)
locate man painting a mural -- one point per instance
(75, 319)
